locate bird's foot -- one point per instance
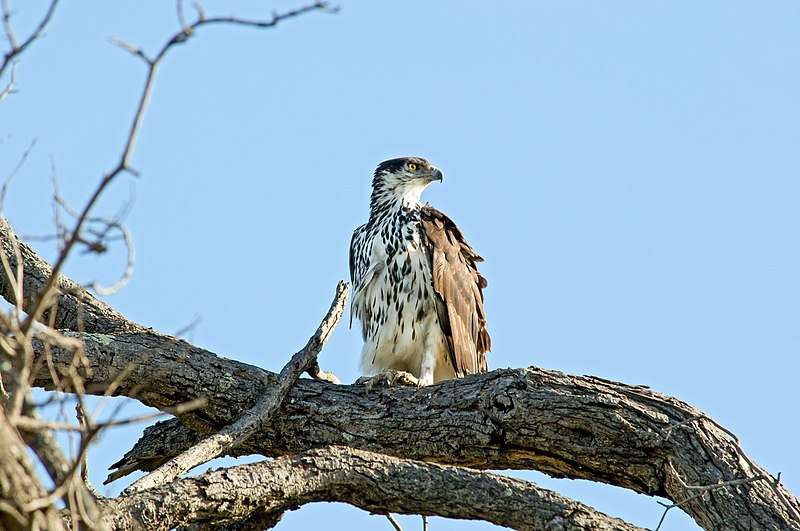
(425, 380)
(387, 379)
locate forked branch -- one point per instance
(42, 301)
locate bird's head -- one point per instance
(403, 179)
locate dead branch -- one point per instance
(18, 48)
(29, 423)
(24, 502)
(373, 482)
(35, 312)
(529, 418)
(76, 306)
(12, 82)
(257, 416)
(394, 522)
(566, 426)
(563, 425)
(701, 491)
(16, 169)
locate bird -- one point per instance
(416, 288)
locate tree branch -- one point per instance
(566, 426)
(76, 308)
(41, 300)
(373, 482)
(17, 48)
(261, 413)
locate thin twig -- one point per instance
(774, 483)
(126, 275)
(702, 490)
(84, 424)
(18, 343)
(181, 19)
(36, 309)
(12, 39)
(16, 169)
(30, 424)
(12, 82)
(236, 433)
(17, 49)
(394, 522)
(688, 421)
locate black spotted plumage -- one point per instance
(416, 287)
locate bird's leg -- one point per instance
(427, 367)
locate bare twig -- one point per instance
(12, 39)
(30, 424)
(16, 48)
(98, 227)
(21, 485)
(34, 313)
(14, 172)
(12, 82)
(667, 431)
(189, 328)
(21, 333)
(126, 275)
(181, 19)
(394, 522)
(234, 434)
(774, 483)
(702, 490)
(84, 425)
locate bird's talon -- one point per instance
(387, 379)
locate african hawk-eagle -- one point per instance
(416, 286)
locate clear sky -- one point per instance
(629, 170)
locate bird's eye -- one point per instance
(412, 166)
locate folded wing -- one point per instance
(459, 290)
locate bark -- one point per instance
(77, 308)
(566, 426)
(233, 435)
(374, 482)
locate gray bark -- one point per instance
(77, 308)
(374, 482)
(566, 426)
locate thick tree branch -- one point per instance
(373, 482)
(566, 426)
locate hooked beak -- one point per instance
(437, 175)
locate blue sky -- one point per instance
(629, 171)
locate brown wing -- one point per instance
(459, 290)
